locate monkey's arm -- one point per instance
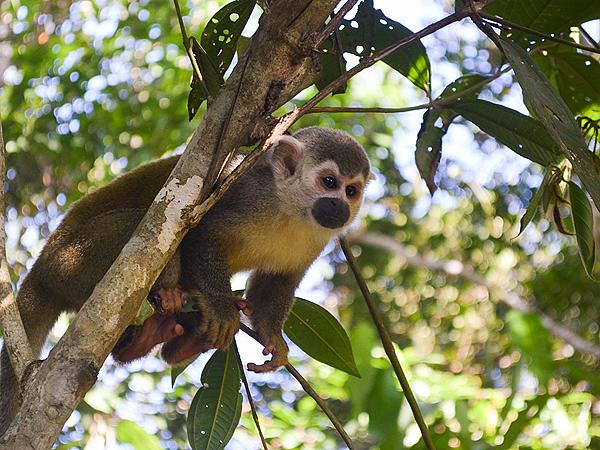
(271, 296)
(205, 279)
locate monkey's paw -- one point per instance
(168, 300)
(275, 346)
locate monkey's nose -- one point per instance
(331, 212)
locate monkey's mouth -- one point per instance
(331, 212)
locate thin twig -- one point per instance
(588, 37)
(15, 338)
(310, 391)
(439, 102)
(383, 53)
(189, 50)
(249, 395)
(335, 21)
(499, 22)
(388, 346)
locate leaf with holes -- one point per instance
(456, 87)
(223, 30)
(332, 66)
(429, 148)
(312, 328)
(576, 76)
(371, 31)
(541, 98)
(209, 84)
(548, 16)
(216, 408)
(584, 227)
(522, 134)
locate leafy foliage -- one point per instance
(80, 105)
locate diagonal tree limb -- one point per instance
(72, 367)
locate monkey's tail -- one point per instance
(38, 318)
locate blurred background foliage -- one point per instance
(93, 89)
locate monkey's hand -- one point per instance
(275, 346)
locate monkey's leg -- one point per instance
(138, 341)
(271, 297)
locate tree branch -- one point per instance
(249, 395)
(72, 367)
(388, 346)
(499, 22)
(458, 269)
(15, 338)
(310, 391)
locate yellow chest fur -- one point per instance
(282, 245)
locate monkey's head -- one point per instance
(321, 173)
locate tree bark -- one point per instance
(275, 68)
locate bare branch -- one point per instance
(249, 395)
(459, 269)
(310, 391)
(388, 345)
(15, 338)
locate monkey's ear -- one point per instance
(286, 156)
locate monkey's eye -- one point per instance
(351, 191)
(329, 182)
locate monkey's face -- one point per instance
(336, 198)
(311, 182)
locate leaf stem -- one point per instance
(188, 49)
(440, 101)
(249, 395)
(499, 22)
(388, 345)
(310, 391)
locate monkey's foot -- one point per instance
(155, 330)
(168, 300)
(243, 306)
(278, 349)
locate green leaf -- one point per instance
(333, 65)
(456, 87)
(549, 16)
(576, 76)
(429, 148)
(526, 416)
(529, 335)
(524, 135)
(312, 328)
(550, 178)
(145, 311)
(541, 98)
(178, 370)
(216, 408)
(220, 36)
(371, 31)
(584, 227)
(211, 75)
(131, 433)
(211, 79)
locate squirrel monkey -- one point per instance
(275, 220)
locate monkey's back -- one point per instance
(80, 251)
